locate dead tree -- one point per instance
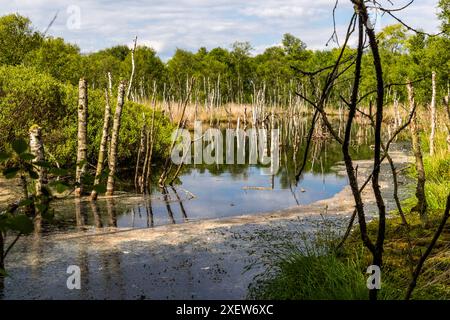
(168, 165)
(366, 29)
(103, 145)
(133, 69)
(433, 113)
(447, 123)
(112, 163)
(421, 205)
(37, 149)
(82, 135)
(141, 150)
(147, 170)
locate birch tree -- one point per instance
(421, 205)
(433, 113)
(115, 139)
(82, 135)
(103, 146)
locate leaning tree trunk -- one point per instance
(115, 139)
(141, 150)
(133, 68)
(421, 205)
(82, 135)
(433, 113)
(103, 145)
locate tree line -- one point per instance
(231, 75)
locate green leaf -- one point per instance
(87, 179)
(21, 223)
(59, 186)
(19, 146)
(33, 174)
(82, 163)
(3, 273)
(42, 164)
(4, 156)
(58, 171)
(10, 173)
(48, 215)
(41, 207)
(27, 156)
(25, 202)
(100, 188)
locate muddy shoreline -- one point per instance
(195, 260)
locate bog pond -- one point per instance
(220, 190)
(156, 246)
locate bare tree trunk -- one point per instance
(103, 145)
(166, 168)
(82, 135)
(149, 154)
(141, 150)
(115, 139)
(133, 68)
(421, 206)
(447, 108)
(37, 149)
(433, 113)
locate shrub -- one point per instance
(29, 97)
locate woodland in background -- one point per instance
(41, 79)
(39, 76)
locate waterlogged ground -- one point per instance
(198, 259)
(201, 195)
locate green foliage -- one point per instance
(235, 72)
(9, 220)
(57, 58)
(132, 122)
(437, 173)
(304, 265)
(17, 39)
(444, 15)
(29, 97)
(293, 47)
(315, 278)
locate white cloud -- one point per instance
(190, 24)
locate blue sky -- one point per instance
(190, 24)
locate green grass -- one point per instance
(437, 172)
(320, 273)
(324, 277)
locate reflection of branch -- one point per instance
(308, 143)
(11, 245)
(167, 168)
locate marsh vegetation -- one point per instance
(86, 140)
